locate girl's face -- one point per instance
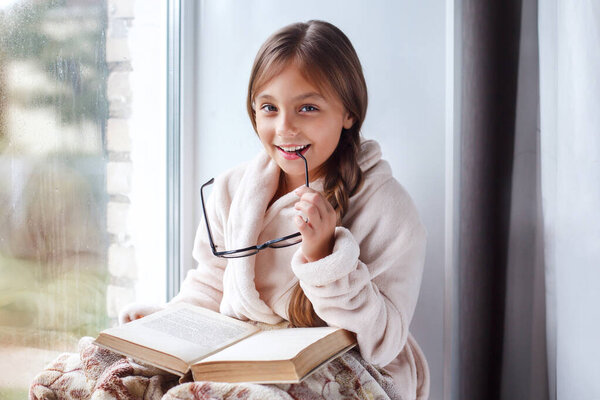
(293, 114)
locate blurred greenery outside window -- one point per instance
(65, 184)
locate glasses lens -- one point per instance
(286, 242)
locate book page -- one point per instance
(281, 344)
(185, 331)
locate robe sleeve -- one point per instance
(370, 283)
(203, 286)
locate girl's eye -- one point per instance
(268, 108)
(308, 108)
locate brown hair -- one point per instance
(328, 60)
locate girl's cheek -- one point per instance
(265, 126)
(265, 131)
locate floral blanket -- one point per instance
(99, 374)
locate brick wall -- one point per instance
(121, 254)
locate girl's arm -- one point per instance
(370, 283)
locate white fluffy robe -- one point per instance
(368, 285)
(245, 222)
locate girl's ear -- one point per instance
(348, 120)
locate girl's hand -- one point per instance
(134, 311)
(318, 234)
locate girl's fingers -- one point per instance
(303, 189)
(305, 228)
(317, 199)
(301, 223)
(318, 232)
(312, 205)
(310, 196)
(310, 211)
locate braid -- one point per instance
(344, 179)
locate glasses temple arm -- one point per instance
(210, 239)
(305, 165)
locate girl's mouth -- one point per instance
(289, 152)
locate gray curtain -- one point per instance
(502, 347)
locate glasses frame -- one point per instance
(251, 250)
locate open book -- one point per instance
(222, 349)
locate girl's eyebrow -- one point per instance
(304, 96)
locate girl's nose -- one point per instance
(286, 125)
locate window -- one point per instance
(83, 199)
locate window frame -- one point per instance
(173, 148)
(182, 185)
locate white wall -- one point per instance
(570, 161)
(402, 49)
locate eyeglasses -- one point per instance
(281, 242)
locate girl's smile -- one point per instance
(289, 151)
(293, 114)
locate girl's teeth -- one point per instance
(295, 148)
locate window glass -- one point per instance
(82, 173)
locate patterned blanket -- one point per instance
(99, 374)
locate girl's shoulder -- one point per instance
(378, 179)
(380, 187)
(381, 198)
(384, 206)
(377, 173)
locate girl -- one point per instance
(359, 263)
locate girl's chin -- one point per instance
(292, 171)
